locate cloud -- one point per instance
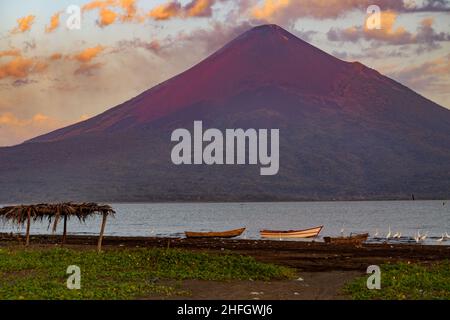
(29, 45)
(107, 17)
(87, 69)
(20, 67)
(166, 11)
(88, 54)
(212, 38)
(286, 11)
(426, 74)
(54, 23)
(427, 6)
(129, 6)
(10, 53)
(23, 82)
(14, 130)
(199, 8)
(174, 9)
(56, 56)
(389, 34)
(306, 35)
(370, 53)
(85, 57)
(427, 36)
(24, 24)
(98, 4)
(269, 8)
(152, 46)
(10, 119)
(430, 78)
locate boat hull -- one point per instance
(293, 234)
(224, 234)
(352, 240)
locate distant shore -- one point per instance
(220, 200)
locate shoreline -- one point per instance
(243, 201)
(303, 256)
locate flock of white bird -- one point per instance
(417, 237)
(398, 235)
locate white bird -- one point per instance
(447, 237)
(342, 231)
(376, 233)
(399, 235)
(389, 233)
(440, 239)
(417, 237)
(396, 235)
(422, 238)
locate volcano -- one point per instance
(346, 132)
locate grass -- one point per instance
(35, 274)
(405, 281)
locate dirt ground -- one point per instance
(308, 286)
(323, 269)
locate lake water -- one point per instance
(172, 219)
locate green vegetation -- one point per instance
(405, 281)
(121, 273)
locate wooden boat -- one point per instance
(354, 239)
(307, 233)
(224, 234)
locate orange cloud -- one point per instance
(87, 69)
(24, 24)
(284, 11)
(269, 8)
(199, 8)
(426, 36)
(98, 4)
(388, 32)
(54, 23)
(85, 58)
(427, 22)
(10, 53)
(88, 54)
(129, 6)
(166, 11)
(14, 130)
(439, 66)
(21, 67)
(174, 9)
(56, 56)
(388, 19)
(107, 17)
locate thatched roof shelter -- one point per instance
(22, 214)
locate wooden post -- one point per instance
(65, 230)
(28, 228)
(100, 239)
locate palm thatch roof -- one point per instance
(53, 212)
(24, 214)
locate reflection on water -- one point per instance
(431, 218)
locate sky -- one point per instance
(53, 74)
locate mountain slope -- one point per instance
(346, 132)
(238, 67)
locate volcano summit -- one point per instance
(346, 132)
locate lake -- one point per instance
(172, 219)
